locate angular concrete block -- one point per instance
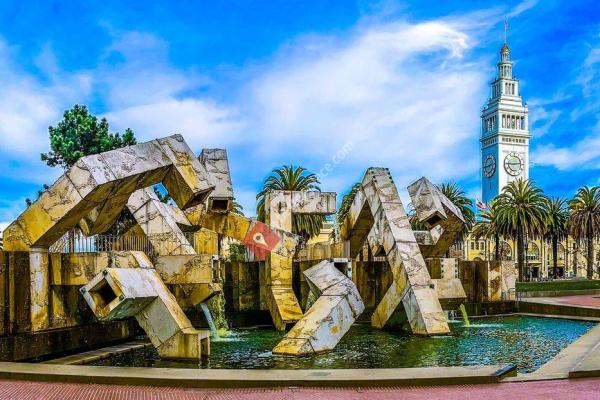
(117, 293)
(190, 295)
(439, 214)
(129, 259)
(139, 292)
(449, 286)
(76, 269)
(284, 307)
(329, 318)
(188, 183)
(95, 189)
(39, 272)
(103, 217)
(313, 202)
(180, 218)
(239, 227)
(186, 269)
(217, 166)
(158, 223)
(424, 312)
(92, 177)
(322, 276)
(279, 209)
(188, 343)
(378, 207)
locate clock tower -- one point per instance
(504, 132)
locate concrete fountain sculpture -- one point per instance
(156, 288)
(378, 205)
(337, 307)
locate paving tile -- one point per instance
(533, 390)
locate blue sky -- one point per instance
(394, 84)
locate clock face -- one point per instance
(489, 166)
(513, 164)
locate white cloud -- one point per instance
(404, 94)
(541, 117)
(135, 70)
(203, 123)
(522, 7)
(146, 93)
(585, 152)
(27, 106)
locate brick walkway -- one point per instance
(581, 300)
(547, 390)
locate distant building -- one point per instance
(504, 132)
(505, 158)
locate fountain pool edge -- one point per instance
(228, 378)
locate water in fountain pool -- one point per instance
(527, 342)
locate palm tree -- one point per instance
(575, 254)
(521, 215)
(457, 196)
(557, 217)
(415, 222)
(347, 201)
(488, 227)
(343, 211)
(237, 208)
(292, 178)
(585, 221)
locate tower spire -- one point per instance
(504, 130)
(505, 66)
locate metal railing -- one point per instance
(171, 243)
(512, 294)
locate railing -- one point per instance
(175, 243)
(512, 294)
(171, 243)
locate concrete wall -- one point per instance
(71, 324)
(372, 278)
(486, 281)
(4, 293)
(242, 286)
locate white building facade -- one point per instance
(504, 132)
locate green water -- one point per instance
(527, 342)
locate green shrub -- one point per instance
(551, 286)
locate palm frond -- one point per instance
(295, 179)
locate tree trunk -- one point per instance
(555, 256)
(520, 255)
(590, 257)
(590, 250)
(497, 252)
(575, 257)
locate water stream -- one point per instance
(465, 317)
(214, 332)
